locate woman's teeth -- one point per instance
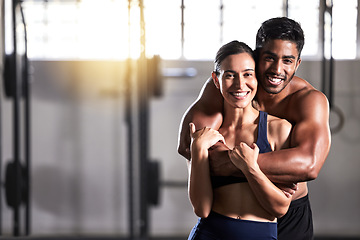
(240, 94)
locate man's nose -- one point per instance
(277, 67)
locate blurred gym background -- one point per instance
(91, 97)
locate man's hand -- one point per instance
(220, 164)
(288, 189)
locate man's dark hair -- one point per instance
(231, 48)
(282, 28)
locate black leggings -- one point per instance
(220, 227)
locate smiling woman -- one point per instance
(231, 207)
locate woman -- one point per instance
(236, 207)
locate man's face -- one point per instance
(277, 64)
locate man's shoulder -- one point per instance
(300, 86)
(305, 101)
(302, 90)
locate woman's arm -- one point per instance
(199, 184)
(270, 197)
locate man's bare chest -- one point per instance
(283, 109)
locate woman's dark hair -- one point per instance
(280, 28)
(231, 48)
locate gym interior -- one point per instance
(92, 94)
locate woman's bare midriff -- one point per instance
(238, 201)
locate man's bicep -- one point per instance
(311, 134)
(309, 143)
(206, 111)
(313, 140)
(210, 101)
(311, 121)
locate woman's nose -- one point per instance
(239, 82)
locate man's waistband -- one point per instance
(298, 202)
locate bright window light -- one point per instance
(85, 29)
(201, 29)
(344, 29)
(309, 24)
(163, 28)
(78, 29)
(243, 18)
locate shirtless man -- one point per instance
(279, 43)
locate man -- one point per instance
(279, 43)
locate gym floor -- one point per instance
(160, 238)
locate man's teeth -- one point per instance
(275, 80)
(240, 94)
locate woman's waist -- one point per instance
(238, 201)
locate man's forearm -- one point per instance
(287, 165)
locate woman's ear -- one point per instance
(215, 79)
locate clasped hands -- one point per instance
(241, 156)
(224, 161)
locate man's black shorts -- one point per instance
(297, 223)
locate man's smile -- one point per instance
(274, 80)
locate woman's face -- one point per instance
(237, 81)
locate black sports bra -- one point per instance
(264, 146)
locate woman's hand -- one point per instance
(244, 156)
(204, 138)
(200, 188)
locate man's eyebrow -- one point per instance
(273, 54)
(289, 56)
(269, 53)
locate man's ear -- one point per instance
(215, 79)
